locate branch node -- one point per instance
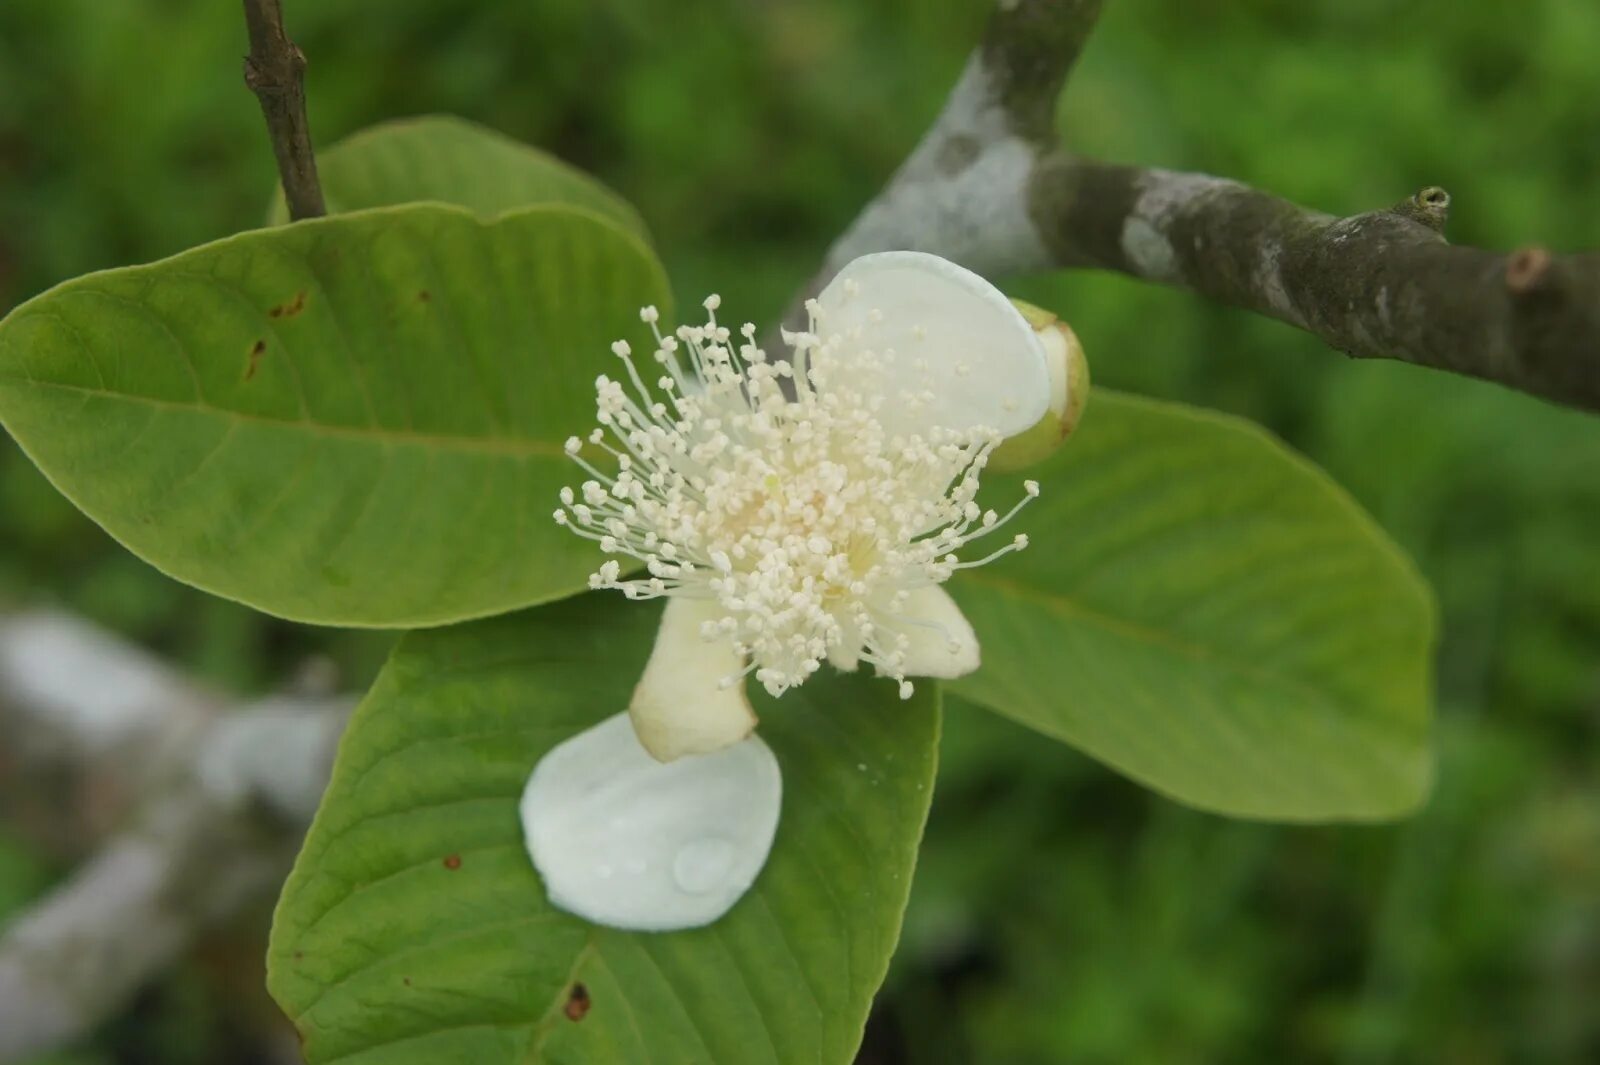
(1429, 207)
(1527, 270)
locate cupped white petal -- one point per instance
(949, 347)
(691, 697)
(942, 643)
(621, 839)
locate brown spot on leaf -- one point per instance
(453, 862)
(290, 308)
(258, 349)
(578, 1003)
(299, 954)
(424, 296)
(406, 980)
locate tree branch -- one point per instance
(1384, 284)
(964, 187)
(275, 71)
(220, 798)
(1029, 48)
(988, 187)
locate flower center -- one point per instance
(773, 488)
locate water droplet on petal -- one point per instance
(702, 865)
(624, 840)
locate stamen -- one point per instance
(800, 515)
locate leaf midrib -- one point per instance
(513, 447)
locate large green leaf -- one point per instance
(355, 420)
(1210, 614)
(414, 930)
(451, 160)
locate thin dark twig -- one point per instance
(275, 71)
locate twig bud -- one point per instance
(1069, 392)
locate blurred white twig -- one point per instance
(217, 798)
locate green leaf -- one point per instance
(354, 420)
(451, 160)
(414, 930)
(1210, 614)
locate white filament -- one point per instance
(776, 492)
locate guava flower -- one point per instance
(792, 512)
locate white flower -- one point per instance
(806, 510)
(793, 512)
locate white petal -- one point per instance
(621, 839)
(682, 705)
(947, 651)
(954, 337)
(1059, 343)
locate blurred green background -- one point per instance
(1061, 914)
